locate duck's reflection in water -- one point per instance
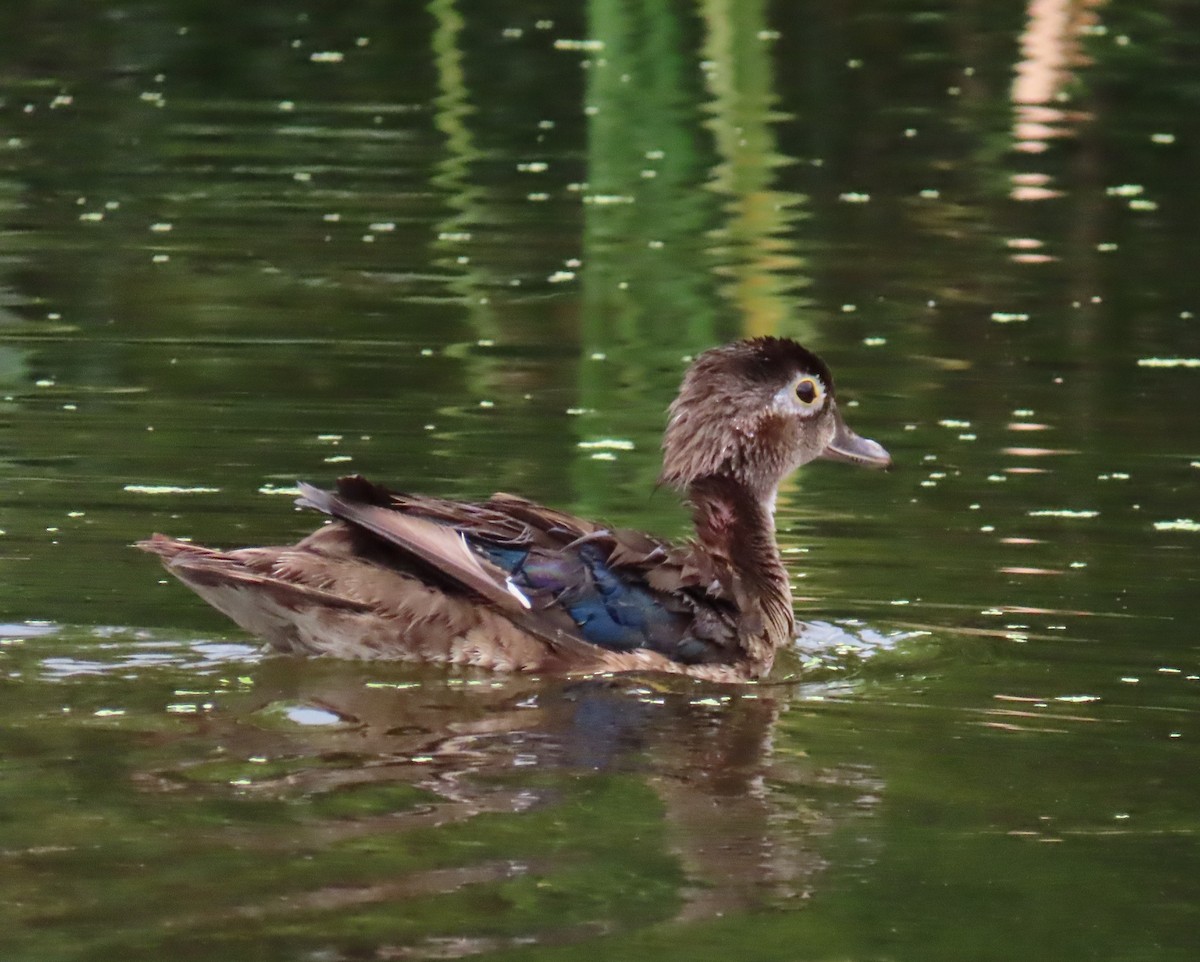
(743, 819)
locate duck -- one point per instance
(511, 585)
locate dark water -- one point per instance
(465, 247)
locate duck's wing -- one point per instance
(548, 571)
(339, 593)
(441, 548)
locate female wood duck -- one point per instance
(511, 585)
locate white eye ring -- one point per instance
(808, 391)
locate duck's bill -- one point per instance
(854, 449)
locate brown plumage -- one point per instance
(511, 585)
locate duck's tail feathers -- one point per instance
(290, 617)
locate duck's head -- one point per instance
(754, 411)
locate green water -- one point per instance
(466, 247)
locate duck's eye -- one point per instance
(808, 390)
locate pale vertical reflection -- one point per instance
(452, 109)
(13, 360)
(755, 247)
(644, 214)
(648, 295)
(1051, 54)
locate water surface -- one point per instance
(467, 247)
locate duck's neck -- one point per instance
(737, 524)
